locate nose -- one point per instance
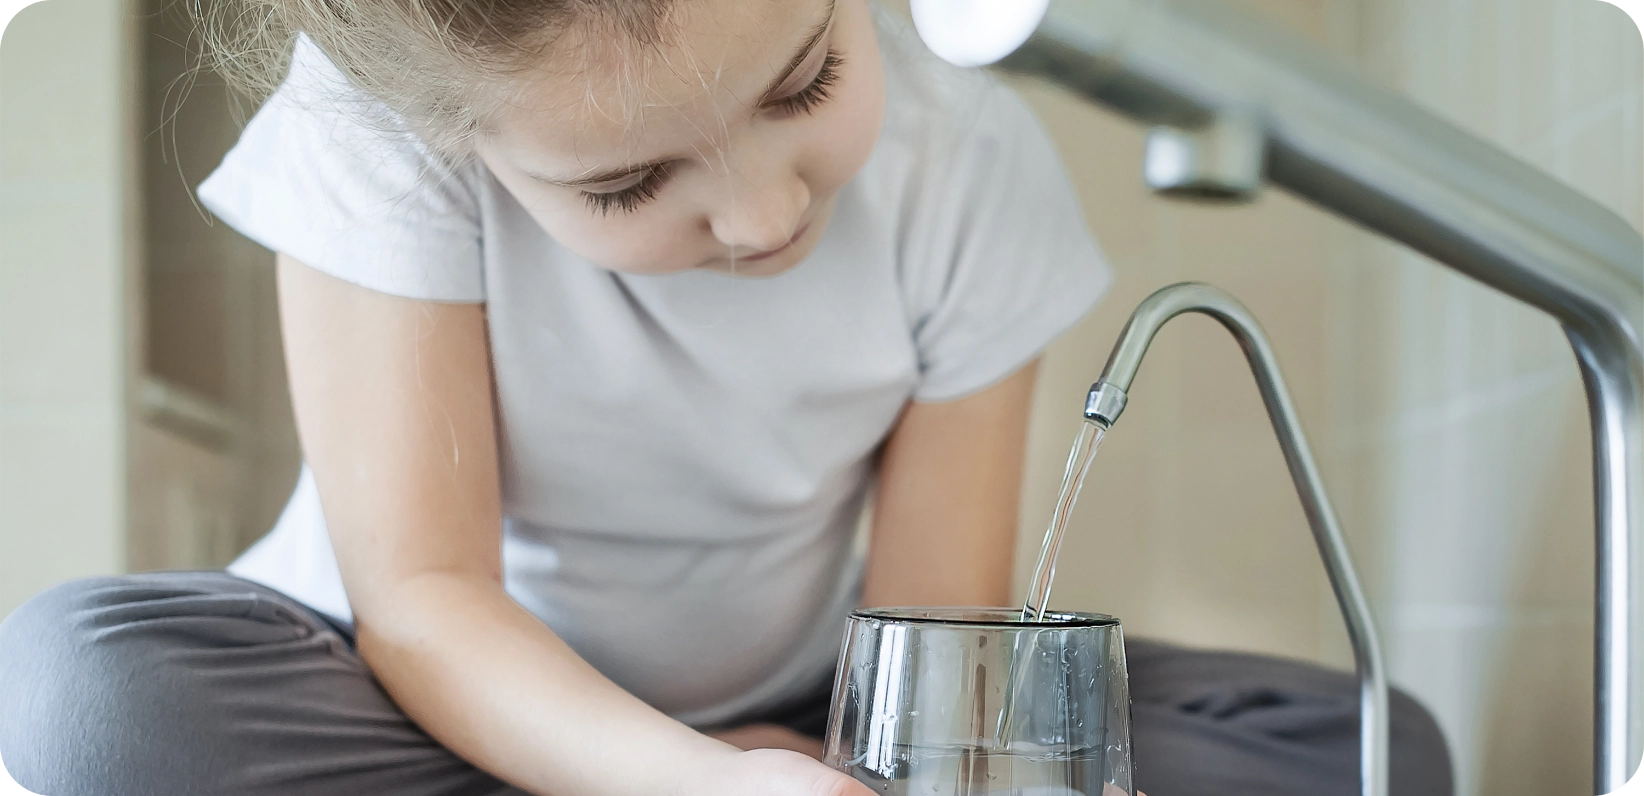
(761, 215)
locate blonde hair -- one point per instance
(441, 66)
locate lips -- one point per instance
(779, 249)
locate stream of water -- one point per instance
(1073, 479)
(1044, 574)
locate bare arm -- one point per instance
(395, 411)
(944, 522)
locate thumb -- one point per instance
(841, 784)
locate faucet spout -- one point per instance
(1107, 400)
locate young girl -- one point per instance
(603, 318)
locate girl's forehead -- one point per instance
(600, 97)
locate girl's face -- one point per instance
(722, 147)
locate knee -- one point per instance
(1270, 717)
(52, 681)
(95, 675)
(52, 636)
(73, 633)
(1419, 755)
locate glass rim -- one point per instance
(982, 616)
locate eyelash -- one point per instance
(628, 199)
(817, 92)
(806, 101)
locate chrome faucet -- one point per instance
(1235, 104)
(1107, 400)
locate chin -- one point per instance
(754, 270)
(771, 266)
(793, 255)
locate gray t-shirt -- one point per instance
(685, 457)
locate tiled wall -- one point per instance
(64, 137)
(1449, 421)
(1465, 428)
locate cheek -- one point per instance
(646, 242)
(641, 243)
(847, 135)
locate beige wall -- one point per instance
(203, 490)
(113, 282)
(64, 174)
(1189, 528)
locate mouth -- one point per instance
(780, 249)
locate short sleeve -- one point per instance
(1005, 261)
(313, 177)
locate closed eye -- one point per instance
(808, 98)
(630, 197)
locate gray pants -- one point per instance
(184, 683)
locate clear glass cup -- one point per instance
(976, 701)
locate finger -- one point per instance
(846, 786)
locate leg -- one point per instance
(172, 683)
(1230, 724)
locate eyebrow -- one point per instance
(608, 175)
(614, 174)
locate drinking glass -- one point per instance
(979, 702)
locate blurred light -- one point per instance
(976, 32)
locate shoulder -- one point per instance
(328, 175)
(319, 130)
(942, 111)
(953, 140)
(318, 110)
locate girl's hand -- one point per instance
(774, 772)
(780, 772)
(769, 736)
